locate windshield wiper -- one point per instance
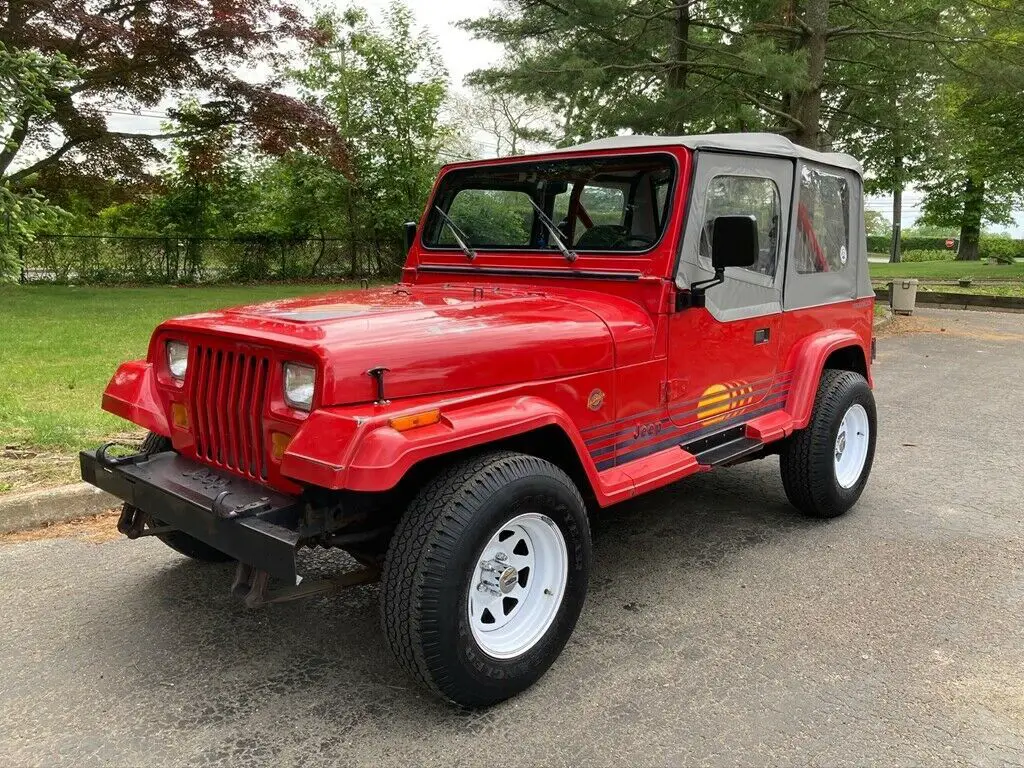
(460, 237)
(549, 225)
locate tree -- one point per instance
(382, 86)
(979, 175)
(815, 70)
(875, 223)
(28, 82)
(134, 54)
(512, 122)
(606, 65)
(888, 114)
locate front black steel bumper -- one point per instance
(251, 523)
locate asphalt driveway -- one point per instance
(720, 627)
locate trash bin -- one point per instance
(903, 296)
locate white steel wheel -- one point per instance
(517, 586)
(851, 448)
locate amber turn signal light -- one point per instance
(179, 415)
(279, 444)
(425, 419)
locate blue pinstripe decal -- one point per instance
(679, 409)
(675, 435)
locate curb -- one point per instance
(22, 511)
(880, 322)
(974, 301)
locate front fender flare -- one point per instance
(340, 450)
(132, 395)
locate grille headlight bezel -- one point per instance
(177, 359)
(299, 385)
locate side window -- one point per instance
(823, 223)
(490, 217)
(745, 195)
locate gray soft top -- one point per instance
(750, 143)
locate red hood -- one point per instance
(433, 338)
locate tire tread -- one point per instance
(424, 541)
(807, 485)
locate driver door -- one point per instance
(723, 358)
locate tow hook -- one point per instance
(132, 522)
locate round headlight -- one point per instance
(177, 358)
(299, 382)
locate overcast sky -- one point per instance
(462, 54)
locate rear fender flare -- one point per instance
(807, 361)
(371, 456)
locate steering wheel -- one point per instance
(639, 241)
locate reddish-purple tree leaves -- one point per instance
(136, 53)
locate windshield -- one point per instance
(615, 204)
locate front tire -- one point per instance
(826, 466)
(486, 576)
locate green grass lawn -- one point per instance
(1005, 279)
(948, 270)
(59, 346)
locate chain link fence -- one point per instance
(115, 259)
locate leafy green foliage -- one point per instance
(978, 173)
(490, 217)
(22, 214)
(929, 255)
(1002, 249)
(29, 81)
(880, 243)
(383, 88)
(876, 223)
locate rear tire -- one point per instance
(177, 540)
(826, 466)
(486, 576)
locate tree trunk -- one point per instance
(806, 103)
(353, 237)
(970, 223)
(323, 250)
(680, 70)
(895, 255)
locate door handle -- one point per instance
(761, 335)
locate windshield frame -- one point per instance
(670, 159)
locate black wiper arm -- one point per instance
(460, 237)
(549, 225)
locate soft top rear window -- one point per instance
(597, 205)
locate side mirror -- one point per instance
(734, 242)
(410, 234)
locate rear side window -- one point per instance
(822, 223)
(745, 195)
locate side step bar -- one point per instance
(724, 447)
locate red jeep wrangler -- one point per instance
(572, 329)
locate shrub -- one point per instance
(1002, 249)
(881, 244)
(930, 255)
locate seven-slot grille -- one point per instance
(229, 389)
